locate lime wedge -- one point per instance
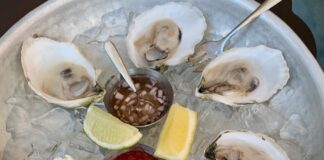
(108, 131)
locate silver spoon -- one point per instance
(119, 64)
(213, 48)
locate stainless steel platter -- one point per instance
(294, 116)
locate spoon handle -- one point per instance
(119, 64)
(265, 6)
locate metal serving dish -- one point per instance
(294, 117)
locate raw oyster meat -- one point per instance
(166, 34)
(58, 72)
(244, 145)
(244, 75)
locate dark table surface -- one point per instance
(12, 10)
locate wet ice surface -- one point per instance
(40, 130)
(294, 129)
(53, 121)
(44, 131)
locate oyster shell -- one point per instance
(244, 145)
(166, 34)
(244, 75)
(58, 72)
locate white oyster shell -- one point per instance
(44, 61)
(244, 145)
(189, 19)
(267, 66)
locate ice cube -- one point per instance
(199, 145)
(22, 89)
(65, 157)
(16, 100)
(57, 123)
(260, 118)
(17, 121)
(80, 113)
(96, 54)
(35, 155)
(92, 33)
(191, 81)
(16, 149)
(34, 104)
(183, 78)
(114, 23)
(288, 101)
(211, 120)
(38, 106)
(66, 148)
(294, 129)
(151, 135)
(82, 142)
(30, 144)
(293, 150)
(181, 98)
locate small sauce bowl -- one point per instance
(139, 147)
(161, 84)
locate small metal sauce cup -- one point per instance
(157, 76)
(138, 147)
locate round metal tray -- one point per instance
(293, 117)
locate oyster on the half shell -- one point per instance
(58, 72)
(244, 145)
(166, 34)
(244, 75)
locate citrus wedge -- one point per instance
(108, 131)
(177, 133)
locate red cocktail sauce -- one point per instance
(135, 155)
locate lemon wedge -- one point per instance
(108, 131)
(177, 134)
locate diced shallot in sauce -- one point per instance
(132, 95)
(144, 106)
(148, 86)
(143, 93)
(160, 93)
(123, 107)
(153, 91)
(124, 84)
(137, 86)
(160, 100)
(119, 96)
(161, 108)
(131, 102)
